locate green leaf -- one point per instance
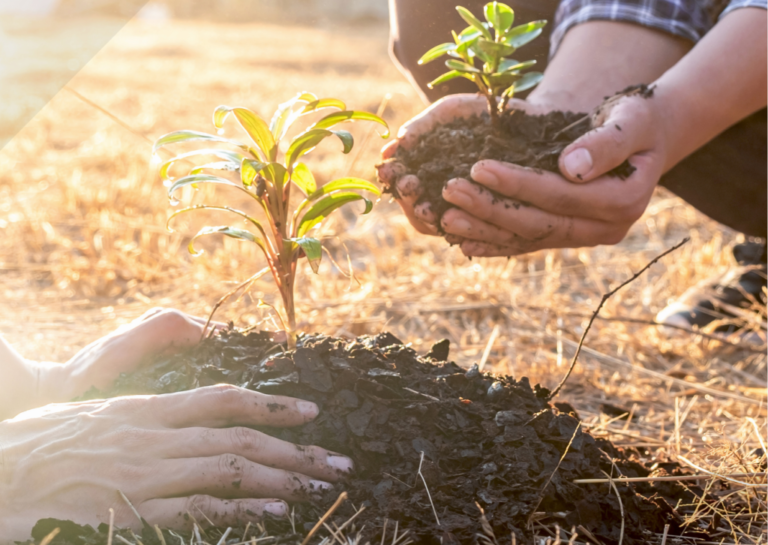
(448, 76)
(473, 21)
(350, 115)
(507, 64)
(285, 115)
(522, 34)
(256, 128)
(502, 79)
(232, 232)
(527, 81)
(345, 183)
(307, 140)
(188, 136)
(500, 16)
(313, 249)
(230, 156)
(324, 103)
(517, 67)
(200, 179)
(326, 206)
(460, 66)
(249, 169)
(493, 49)
(467, 35)
(437, 52)
(304, 178)
(243, 215)
(218, 165)
(277, 174)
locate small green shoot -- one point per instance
(266, 175)
(492, 43)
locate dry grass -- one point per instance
(83, 250)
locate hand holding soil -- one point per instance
(170, 455)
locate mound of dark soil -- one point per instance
(487, 440)
(450, 150)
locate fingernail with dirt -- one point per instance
(460, 226)
(578, 163)
(484, 176)
(277, 508)
(308, 409)
(342, 463)
(317, 486)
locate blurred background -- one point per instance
(87, 86)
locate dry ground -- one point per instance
(84, 249)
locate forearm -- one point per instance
(21, 385)
(719, 83)
(598, 58)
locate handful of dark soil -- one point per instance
(488, 441)
(450, 150)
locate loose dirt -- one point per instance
(487, 441)
(450, 150)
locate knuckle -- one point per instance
(199, 503)
(246, 440)
(231, 466)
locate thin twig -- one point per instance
(728, 478)
(223, 539)
(664, 536)
(621, 504)
(47, 539)
(160, 536)
(434, 511)
(597, 311)
(229, 294)
(126, 500)
(488, 347)
(111, 525)
(674, 478)
(342, 497)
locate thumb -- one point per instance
(623, 133)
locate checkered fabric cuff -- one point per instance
(738, 4)
(688, 19)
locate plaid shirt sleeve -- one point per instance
(689, 19)
(737, 4)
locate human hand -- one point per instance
(582, 207)
(172, 455)
(391, 172)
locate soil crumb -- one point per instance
(488, 441)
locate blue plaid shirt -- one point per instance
(689, 19)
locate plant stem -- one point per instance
(493, 110)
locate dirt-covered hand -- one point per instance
(513, 210)
(176, 457)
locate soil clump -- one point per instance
(488, 441)
(450, 149)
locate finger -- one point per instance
(390, 171)
(232, 476)
(607, 198)
(423, 212)
(453, 239)
(224, 405)
(180, 513)
(624, 132)
(444, 110)
(389, 149)
(409, 189)
(257, 447)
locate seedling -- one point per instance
(492, 42)
(266, 176)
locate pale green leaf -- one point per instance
(499, 15)
(527, 81)
(232, 232)
(345, 183)
(473, 21)
(313, 249)
(256, 128)
(522, 34)
(230, 156)
(324, 103)
(307, 141)
(188, 136)
(448, 76)
(350, 115)
(326, 206)
(460, 66)
(285, 115)
(437, 52)
(304, 178)
(492, 49)
(201, 179)
(243, 215)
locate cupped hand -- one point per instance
(158, 331)
(534, 210)
(392, 173)
(176, 457)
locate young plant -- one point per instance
(492, 42)
(266, 176)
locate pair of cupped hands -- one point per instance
(508, 210)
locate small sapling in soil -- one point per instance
(491, 43)
(266, 176)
